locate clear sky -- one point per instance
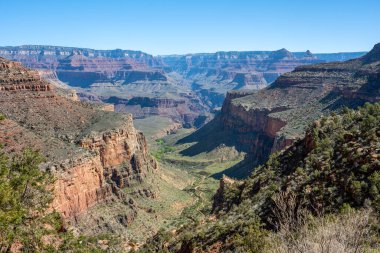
(189, 26)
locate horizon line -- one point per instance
(194, 53)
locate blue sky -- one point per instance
(189, 26)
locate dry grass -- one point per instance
(300, 232)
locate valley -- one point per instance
(148, 168)
(190, 126)
(252, 129)
(197, 171)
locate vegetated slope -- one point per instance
(106, 180)
(268, 120)
(336, 165)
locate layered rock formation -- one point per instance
(212, 75)
(83, 71)
(187, 110)
(99, 75)
(84, 146)
(48, 57)
(268, 120)
(195, 84)
(14, 78)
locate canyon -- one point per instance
(190, 126)
(185, 88)
(107, 181)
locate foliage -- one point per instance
(336, 163)
(85, 244)
(162, 149)
(321, 193)
(26, 223)
(23, 199)
(241, 231)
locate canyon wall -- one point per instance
(90, 180)
(93, 154)
(271, 119)
(186, 110)
(212, 75)
(48, 57)
(198, 82)
(114, 76)
(255, 130)
(79, 187)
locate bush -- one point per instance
(347, 232)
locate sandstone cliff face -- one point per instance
(124, 144)
(80, 187)
(235, 116)
(271, 119)
(120, 157)
(85, 147)
(254, 130)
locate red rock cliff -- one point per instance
(271, 119)
(92, 153)
(85, 183)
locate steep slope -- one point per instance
(334, 167)
(266, 121)
(93, 154)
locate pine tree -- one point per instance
(24, 199)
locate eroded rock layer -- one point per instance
(140, 83)
(212, 75)
(188, 110)
(270, 119)
(83, 144)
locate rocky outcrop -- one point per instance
(254, 130)
(219, 198)
(13, 77)
(120, 158)
(271, 119)
(255, 81)
(172, 128)
(117, 146)
(84, 146)
(237, 118)
(107, 107)
(80, 187)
